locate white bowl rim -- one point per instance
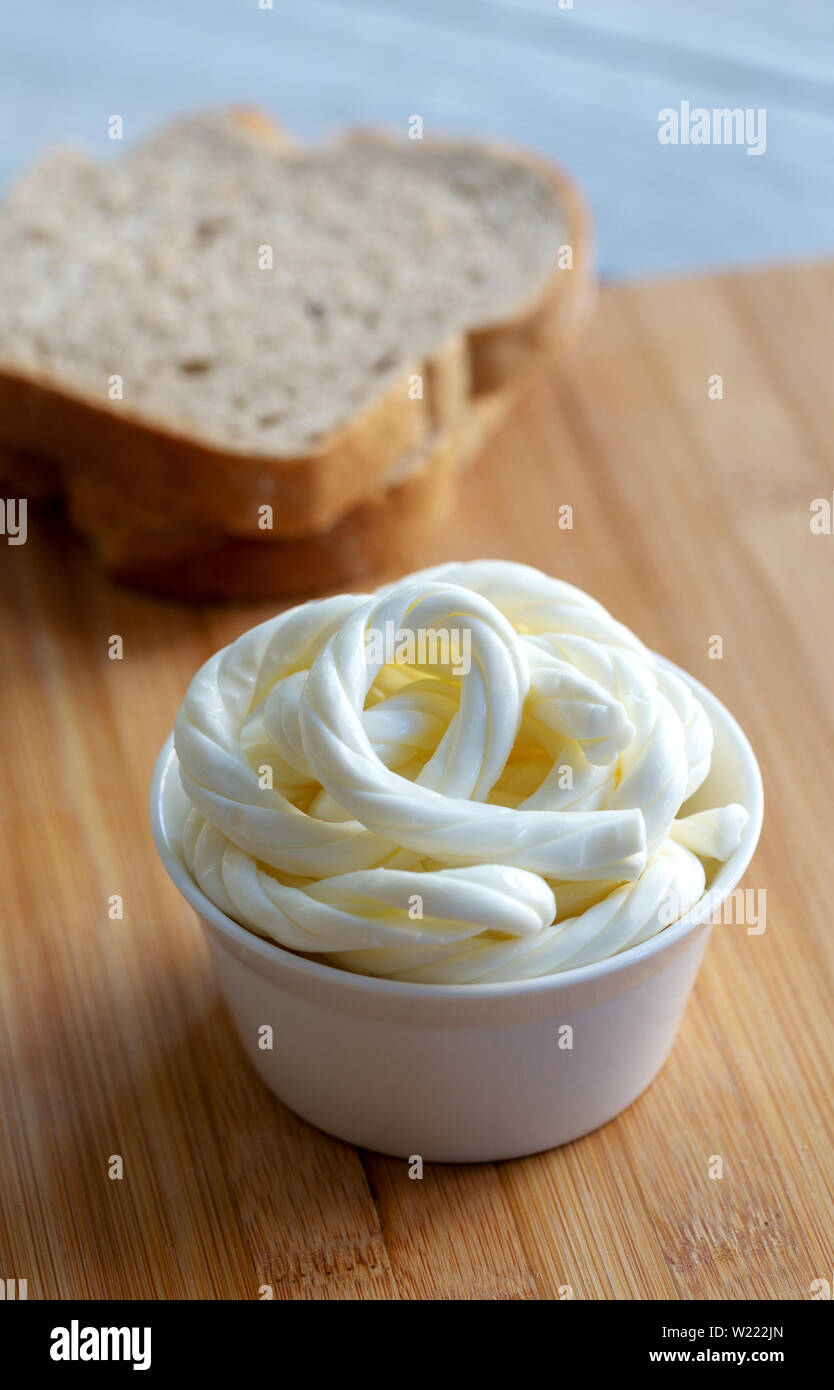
(725, 880)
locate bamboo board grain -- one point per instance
(691, 520)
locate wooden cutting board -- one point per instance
(690, 521)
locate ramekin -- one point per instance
(466, 1073)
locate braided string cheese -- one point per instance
(419, 818)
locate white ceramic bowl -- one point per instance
(466, 1073)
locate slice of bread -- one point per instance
(407, 277)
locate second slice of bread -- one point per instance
(382, 535)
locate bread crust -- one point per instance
(381, 535)
(155, 469)
(165, 472)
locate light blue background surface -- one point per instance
(583, 84)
